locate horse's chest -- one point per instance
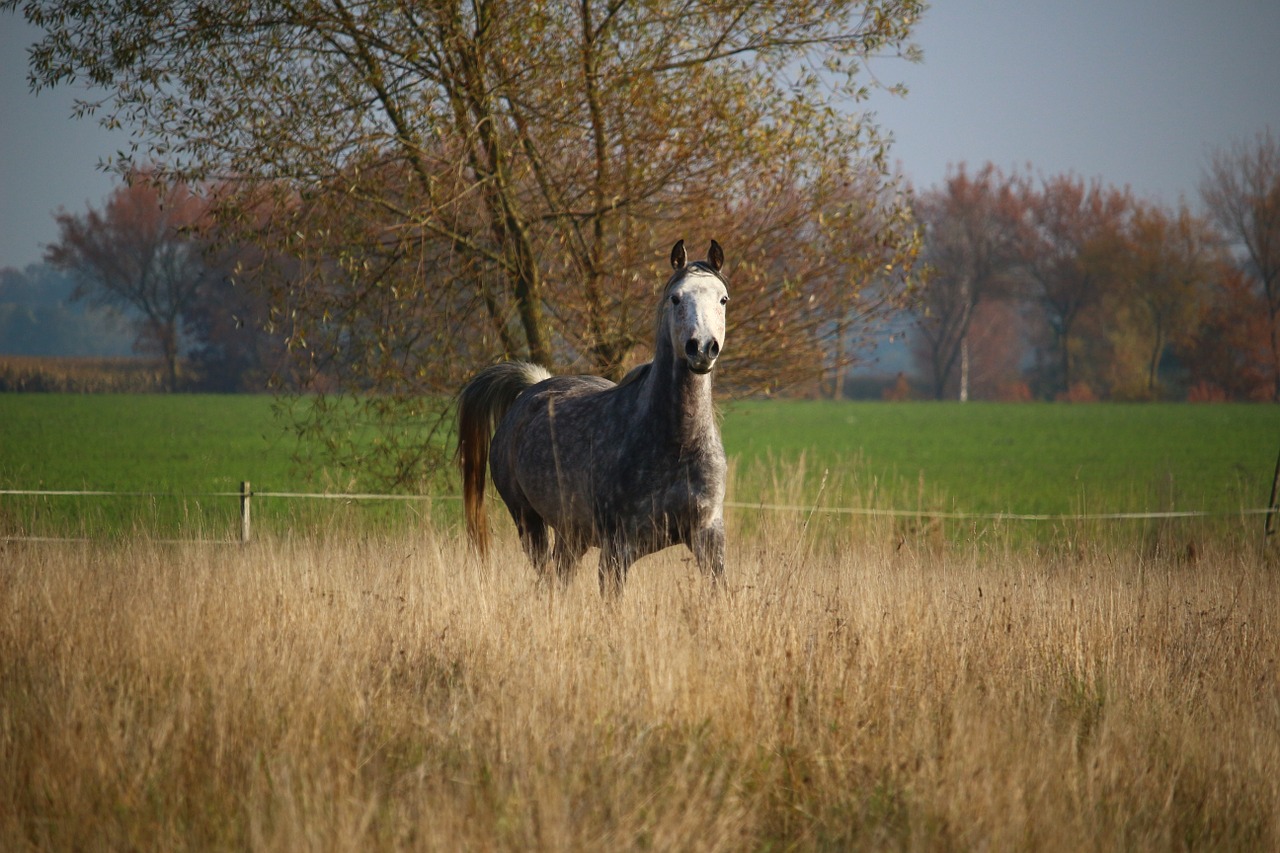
(674, 492)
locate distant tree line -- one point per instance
(223, 311)
(1062, 288)
(153, 259)
(377, 198)
(39, 316)
(1033, 288)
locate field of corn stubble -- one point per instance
(365, 691)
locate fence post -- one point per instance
(1273, 505)
(245, 494)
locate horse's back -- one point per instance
(569, 386)
(547, 446)
(559, 398)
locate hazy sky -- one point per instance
(1135, 92)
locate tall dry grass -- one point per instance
(357, 692)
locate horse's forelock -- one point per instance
(694, 268)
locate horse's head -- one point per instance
(696, 296)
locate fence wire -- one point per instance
(747, 505)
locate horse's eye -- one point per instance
(675, 299)
(724, 300)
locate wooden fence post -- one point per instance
(245, 494)
(1273, 505)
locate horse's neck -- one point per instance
(679, 401)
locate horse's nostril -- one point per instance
(694, 350)
(700, 351)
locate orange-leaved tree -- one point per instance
(139, 254)
(974, 233)
(1071, 259)
(1169, 265)
(1241, 189)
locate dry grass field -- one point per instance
(364, 692)
(80, 375)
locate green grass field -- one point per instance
(1027, 458)
(978, 458)
(172, 445)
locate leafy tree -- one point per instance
(997, 349)
(227, 323)
(463, 181)
(972, 246)
(1071, 259)
(138, 253)
(1241, 189)
(1229, 356)
(1170, 260)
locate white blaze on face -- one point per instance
(696, 312)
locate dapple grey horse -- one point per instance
(629, 468)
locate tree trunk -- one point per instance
(166, 332)
(1275, 351)
(1064, 354)
(528, 294)
(1153, 366)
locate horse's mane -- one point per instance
(636, 373)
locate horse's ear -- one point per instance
(715, 256)
(678, 255)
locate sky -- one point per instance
(1134, 92)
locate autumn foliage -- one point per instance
(1065, 289)
(137, 253)
(154, 252)
(427, 188)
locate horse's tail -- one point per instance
(482, 403)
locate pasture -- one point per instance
(979, 458)
(1032, 458)
(355, 679)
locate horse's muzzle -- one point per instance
(701, 356)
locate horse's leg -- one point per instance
(567, 552)
(534, 538)
(708, 550)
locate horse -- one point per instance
(630, 468)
